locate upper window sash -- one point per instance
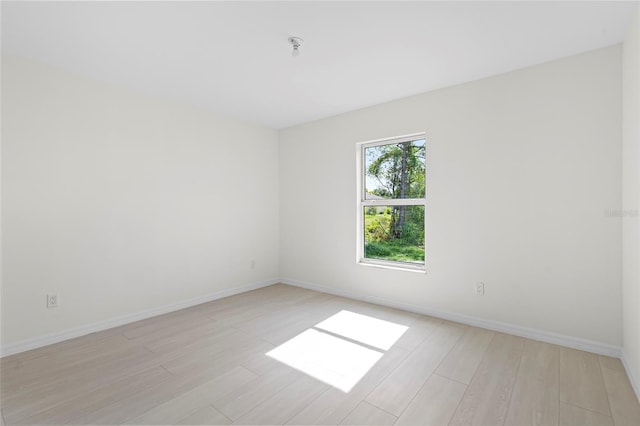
(363, 167)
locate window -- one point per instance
(391, 202)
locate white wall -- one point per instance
(123, 202)
(631, 202)
(521, 168)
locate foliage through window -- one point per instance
(392, 202)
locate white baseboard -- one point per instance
(72, 333)
(530, 333)
(542, 335)
(631, 374)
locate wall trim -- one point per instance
(72, 333)
(530, 333)
(631, 374)
(536, 334)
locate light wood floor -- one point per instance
(207, 365)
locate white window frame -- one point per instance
(362, 203)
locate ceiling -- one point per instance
(234, 58)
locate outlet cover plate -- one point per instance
(52, 300)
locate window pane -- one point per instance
(395, 170)
(394, 233)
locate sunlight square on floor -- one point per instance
(340, 350)
(364, 329)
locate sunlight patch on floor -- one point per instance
(364, 329)
(337, 362)
(340, 350)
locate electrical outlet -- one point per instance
(480, 288)
(52, 300)
(253, 264)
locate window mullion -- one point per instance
(394, 202)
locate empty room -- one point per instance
(320, 213)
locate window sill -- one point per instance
(408, 268)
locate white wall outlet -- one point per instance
(253, 264)
(52, 300)
(480, 288)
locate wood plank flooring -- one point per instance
(210, 364)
